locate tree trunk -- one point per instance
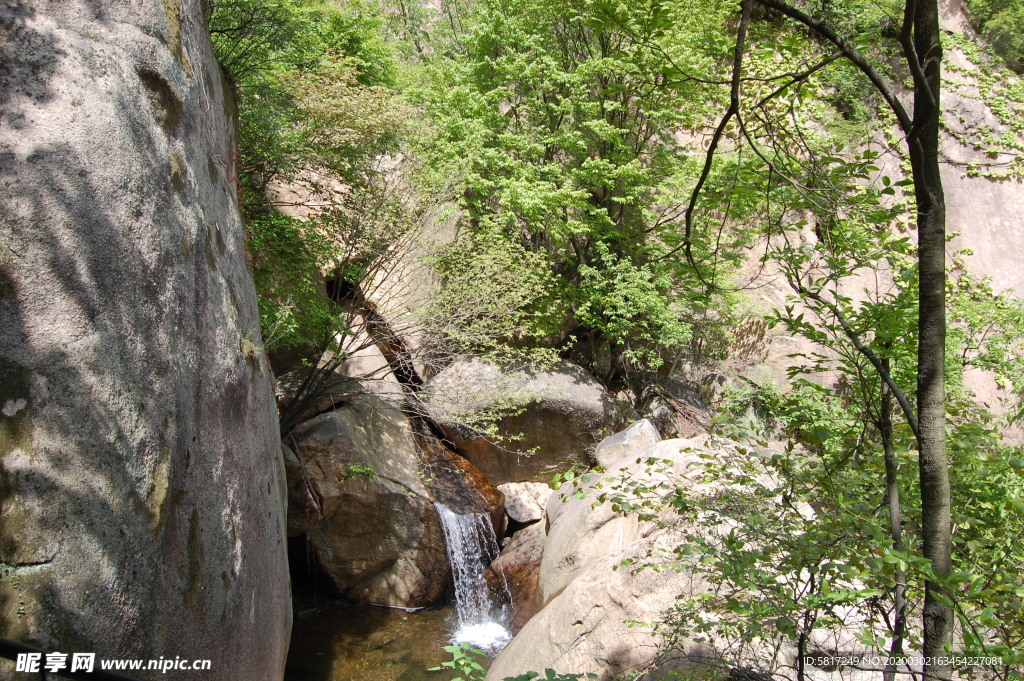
(923, 141)
(919, 38)
(892, 493)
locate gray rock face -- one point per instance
(631, 442)
(377, 533)
(525, 501)
(141, 484)
(563, 414)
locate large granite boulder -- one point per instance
(374, 481)
(585, 628)
(556, 417)
(634, 441)
(590, 598)
(595, 604)
(377, 534)
(140, 472)
(581, 530)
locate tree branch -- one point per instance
(901, 398)
(910, 53)
(851, 53)
(709, 158)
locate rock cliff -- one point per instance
(142, 501)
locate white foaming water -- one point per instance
(471, 548)
(489, 637)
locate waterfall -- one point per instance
(471, 548)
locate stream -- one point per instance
(349, 641)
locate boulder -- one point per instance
(631, 442)
(517, 569)
(141, 483)
(676, 408)
(584, 629)
(553, 418)
(369, 481)
(590, 598)
(378, 538)
(580, 530)
(597, 607)
(525, 502)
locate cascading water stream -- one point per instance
(472, 546)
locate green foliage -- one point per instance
(314, 114)
(838, 430)
(797, 542)
(987, 332)
(356, 470)
(780, 570)
(551, 675)
(494, 297)
(466, 662)
(1000, 141)
(557, 118)
(255, 39)
(310, 79)
(287, 276)
(633, 307)
(1002, 23)
(567, 131)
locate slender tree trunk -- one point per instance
(892, 492)
(923, 141)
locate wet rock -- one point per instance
(517, 568)
(458, 484)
